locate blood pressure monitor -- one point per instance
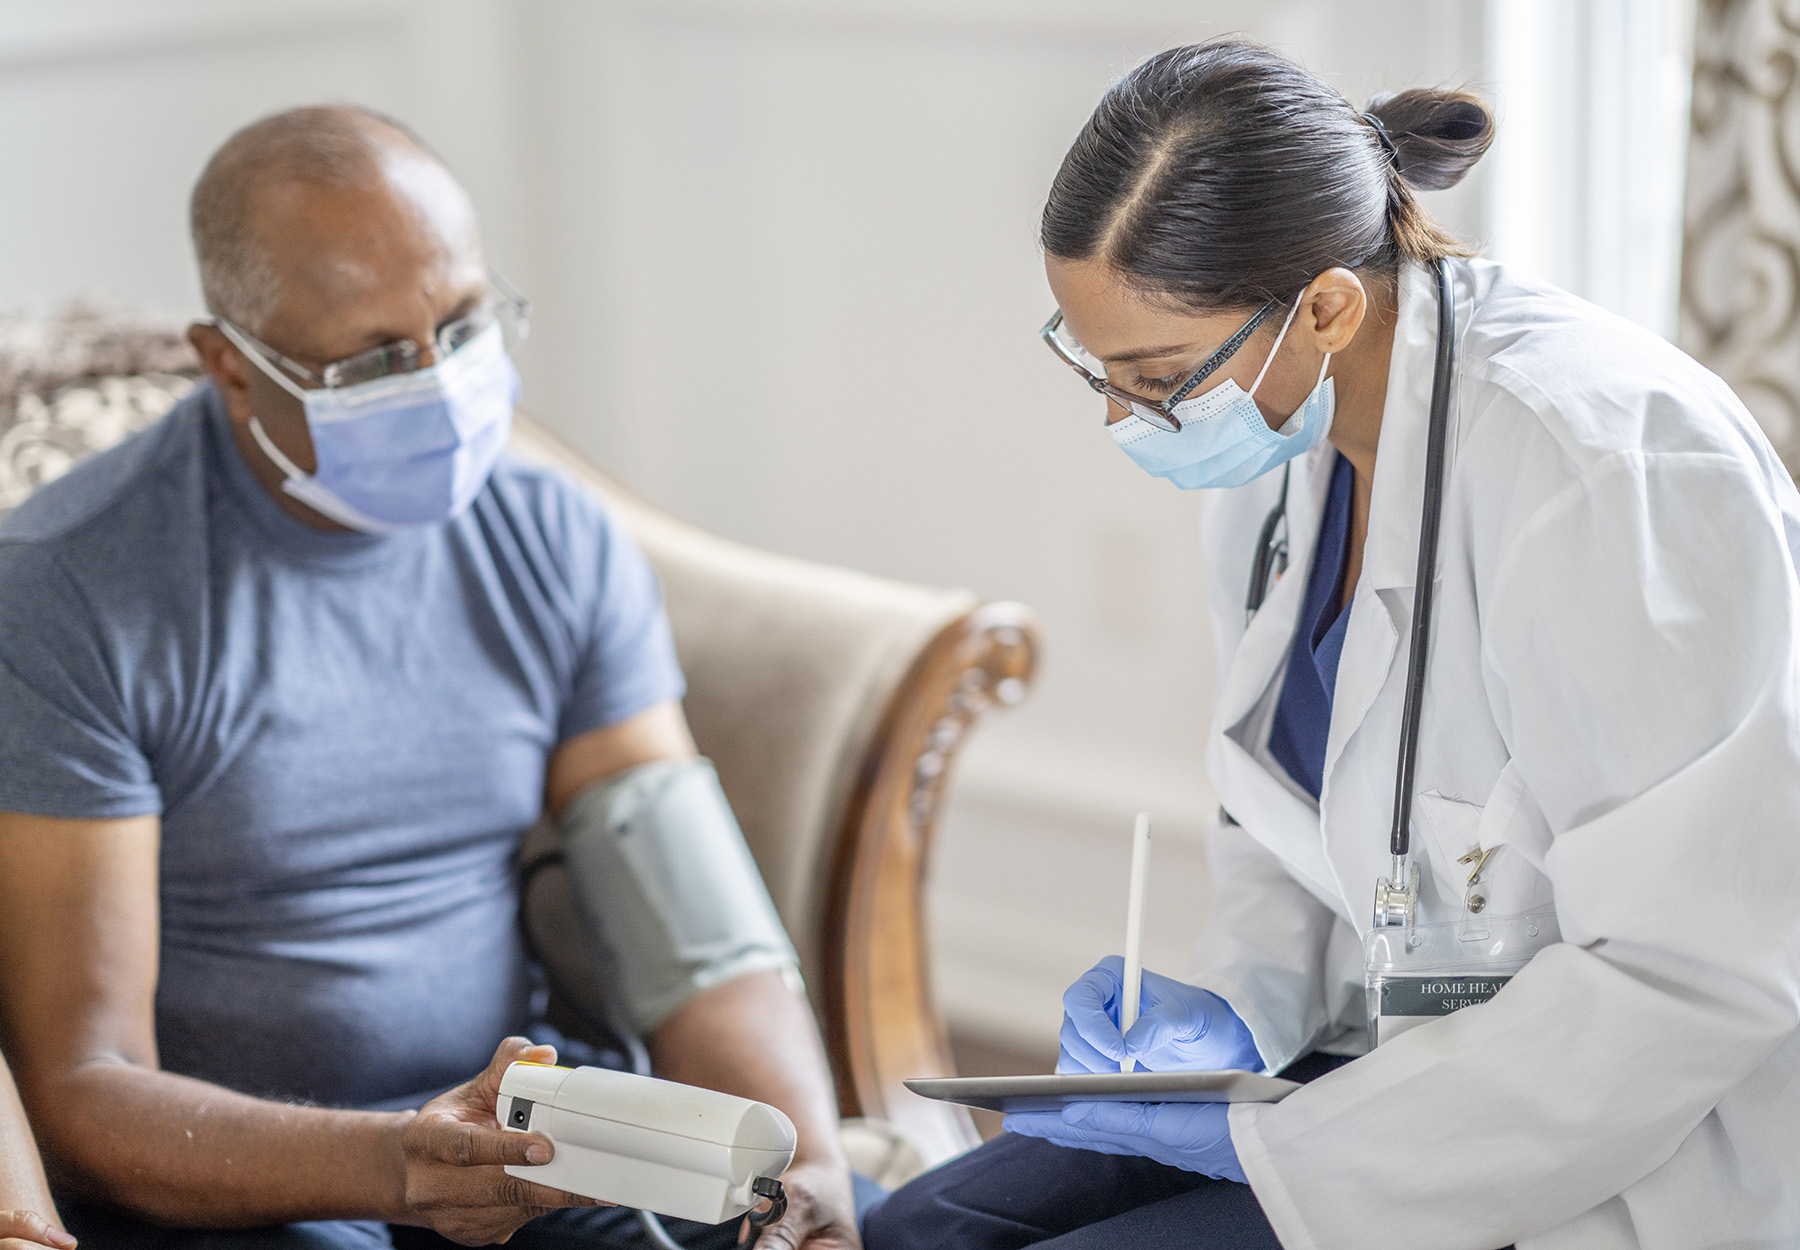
(677, 1150)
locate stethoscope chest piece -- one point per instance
(1397, 897)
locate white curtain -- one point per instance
(1584, 186)
(1740, 288)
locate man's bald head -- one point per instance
(243, 202)
(326, 233)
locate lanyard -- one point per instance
(1396, 896)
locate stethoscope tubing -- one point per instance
(1268, 551)
(1424, 584)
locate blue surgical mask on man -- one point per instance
(407, 449)
(1224, 439)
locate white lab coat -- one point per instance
(1613, 701)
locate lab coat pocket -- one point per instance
(1451, 832)
(1486, 859)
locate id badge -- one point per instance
(1420, 974)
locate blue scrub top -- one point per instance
(1303, 713)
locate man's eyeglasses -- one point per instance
(1160, 413)
(502, 305)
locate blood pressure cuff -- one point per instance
(667, 888)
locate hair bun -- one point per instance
(1223, 176)
(1437, 135)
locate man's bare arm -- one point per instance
(659, 732)
(753, 1036)
(27, 1216)
(78, 969)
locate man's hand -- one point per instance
(26, 1230)
(821, 1212)
(454, 1152)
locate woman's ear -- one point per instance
(1336, 303)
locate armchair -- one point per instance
(833, 704)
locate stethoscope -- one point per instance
(1396, 896)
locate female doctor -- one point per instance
(1578, 946)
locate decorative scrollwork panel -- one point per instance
(1740, 283)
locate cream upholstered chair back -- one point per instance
(780, 657)
(832, 703)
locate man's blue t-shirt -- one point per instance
(344, 735)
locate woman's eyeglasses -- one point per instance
(1158, 412)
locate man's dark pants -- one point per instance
(589, 1228)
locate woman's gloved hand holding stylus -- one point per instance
(1179, 1028)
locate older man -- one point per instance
(282, 680)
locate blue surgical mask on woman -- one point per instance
(407, 449)
(1224, 439)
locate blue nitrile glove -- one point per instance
(1188, 1135)
(1179, 1028)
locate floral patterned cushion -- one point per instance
(79, 381)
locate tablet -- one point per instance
(1049, 1093)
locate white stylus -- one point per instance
(1134, 929)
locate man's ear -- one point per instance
(226, 365)
(1338, 305)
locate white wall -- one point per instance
(794, 296)
(108, 109)
(783, 257)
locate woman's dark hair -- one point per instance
(1223, 175)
